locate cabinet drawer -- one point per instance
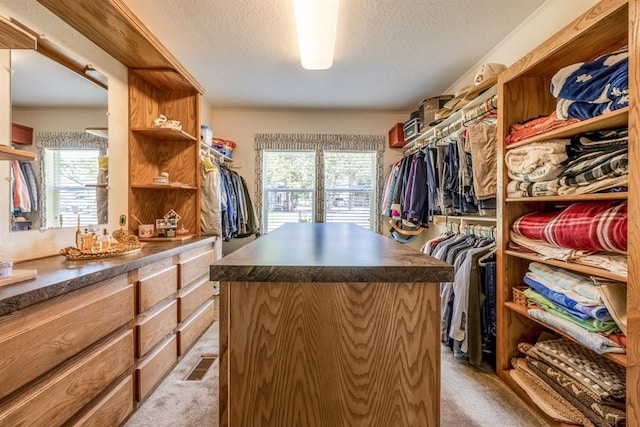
(38, 338)
(112, 409)
(193, 297)
(196, 267)
(56, 398)
(155, 325)
(155, 288)
(154, 367)
(195, 325)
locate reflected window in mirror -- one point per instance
(70, 179)
(75, 174)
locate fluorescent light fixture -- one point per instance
(317, 22)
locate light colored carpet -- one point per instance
(470, 397)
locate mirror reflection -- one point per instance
(61, 116)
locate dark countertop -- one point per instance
(57, 276)
(328, 252)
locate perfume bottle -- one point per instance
(105, 241)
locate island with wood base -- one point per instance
(326, 324)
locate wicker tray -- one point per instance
(518, 295)
(75, 254)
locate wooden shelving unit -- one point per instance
(523, 93)
(153, 151)
(10, 153)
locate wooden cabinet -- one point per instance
(154, 151)
(59, 354)
(174, 308)
(523, 91)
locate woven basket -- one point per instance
(518, 296)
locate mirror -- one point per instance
(62, 116)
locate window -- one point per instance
(68, 170)
(311, 181)
(73, 179)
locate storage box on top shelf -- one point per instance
(428, 108)
(396, 136)
(206, 134)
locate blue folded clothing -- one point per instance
(588, 89)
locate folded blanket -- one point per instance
(596, 186)
(517, 188)
(591, 307)
(615, 263)
(604, 80)
(546, 172)
(589, 226)
(592, 369)
(599, 414)
(527, 158)
(544, 396)
(536, 126)
(586, 110)
(596, 342)
(609, 140)
(590, 325)
(566, 279)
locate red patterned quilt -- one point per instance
(589, 226)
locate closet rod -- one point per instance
(468, 117)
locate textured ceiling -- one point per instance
(390, 54)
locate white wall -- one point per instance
(35, 243)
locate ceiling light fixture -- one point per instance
(316, 22)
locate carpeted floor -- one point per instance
(470, 397)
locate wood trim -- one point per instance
(112, 26)
(633, 227)
(14, 37)
(10, 153)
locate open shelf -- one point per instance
(620, 359)
(166, 134)
(571, 198)
(163, 187)
(10, 153)
(615, 119)
(465, 218)
(578, 268)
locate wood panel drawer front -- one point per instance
(195, 267)
(112, 409)
(195, 325)
(155, 288)
(37, 339)
(193, 297)
(154, 367)
(155, 268)
(55, 399)
(155, 325)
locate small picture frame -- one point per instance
(161, 224)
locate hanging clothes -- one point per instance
(211, 221)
